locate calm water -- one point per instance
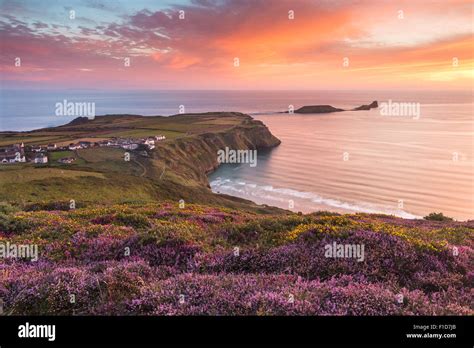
(397, 165)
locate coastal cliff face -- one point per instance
(193, 157)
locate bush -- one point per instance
(7, 208)
(61, 205)
(11, 225)
(437, 217)
(133, 220)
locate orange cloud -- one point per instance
(274, 51)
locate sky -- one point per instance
(237, 44)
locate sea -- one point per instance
(405, 161)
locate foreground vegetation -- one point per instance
(159, 259)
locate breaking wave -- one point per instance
(304, 201)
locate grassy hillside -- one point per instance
(175, 170)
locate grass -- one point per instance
(141, 133)
(84, 187)
(37, 139)
(31, 173)
(54, 156)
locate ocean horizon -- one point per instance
(29, 109)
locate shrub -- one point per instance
(133, 220)
(437, 217)
(61, 205)
(6, 208)
(10, 224)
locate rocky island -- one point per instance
(317, 109)
(372, 105)
(324, 109)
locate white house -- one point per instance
(149, 141)
(74, 147)
(17, 158)
(36, 149)
(66, 160)
(12, 154)
(131, 146)
(41, 158)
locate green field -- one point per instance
(143, 133)
(29, 173)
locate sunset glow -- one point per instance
(285, 45)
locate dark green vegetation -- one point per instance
(437, 217)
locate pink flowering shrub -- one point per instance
(163, 260)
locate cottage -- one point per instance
(149, 141)
(41, 158)
(74, 146)
(66, 160)
(12, 154)
(131, 146)
(36, 148)
(12, 158)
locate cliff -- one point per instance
(196, 156)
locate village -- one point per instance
(38, 154)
